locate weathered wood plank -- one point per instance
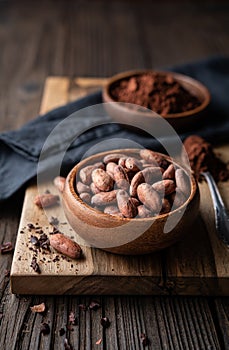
(9, 219)
(14, 323)
(220, 250)
(170, 323)
(80, 87)
(196, 264)
(193, 24)
(52, 100)
(222, 314)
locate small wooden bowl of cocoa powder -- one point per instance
(179, 99)
(121, 201)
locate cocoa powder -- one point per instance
(156, 91)
(202, 158)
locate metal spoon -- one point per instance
(221, 213)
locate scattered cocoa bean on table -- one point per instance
(65, 245)
(46, 200)
(59, 182)
(6, 247)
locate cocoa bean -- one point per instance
(125, 204)
(161, 161)
(94, 189)
(169, 173)
(110, 168)
(133, 164)
(102, 180)
(122, 161)
(59, 182)
(85, 196)
(135, 201)
(166, 206)
(177, 198)
(65, 245)
(143, 212)
(104, 198)
(135, 182)
(165, 187)
(81, 187)
(183, 182)
(154, 158)
(121, 178)
(148, 156)
(152, 174)
(85, 173)
(112, 210)
(149, 197)
(113, 157)
(46, 200)
(148, 175)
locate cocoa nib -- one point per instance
(54, 231)
(7, 273)
(57, 258)
(38, 308)
(45, 329)
(30, 226)
(39, 231)
(41, 242)
(105, 322)
(34, 240)
(35, 265)
(82, 307)
(94, 305)
(54, 221)
(72, 319)
(6, 247)
(61, 332)
(43, 237)
(67, 346)
(99, 341)
(44, 241)
(144, 339)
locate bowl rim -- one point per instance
(72, 177)
(178, 76)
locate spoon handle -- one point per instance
(221, 213)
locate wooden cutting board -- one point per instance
(197, 265)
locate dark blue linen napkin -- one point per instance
(20, 149)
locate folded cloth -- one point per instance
(20, 149)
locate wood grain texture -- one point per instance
(94, 274)
(203, 254)
(41, 40)
(222, 318)
(198, 265)
(98, 271)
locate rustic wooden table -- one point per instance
(78, 38)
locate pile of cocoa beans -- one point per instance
(141, 185)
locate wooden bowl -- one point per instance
(184, 121)
(122, 235)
